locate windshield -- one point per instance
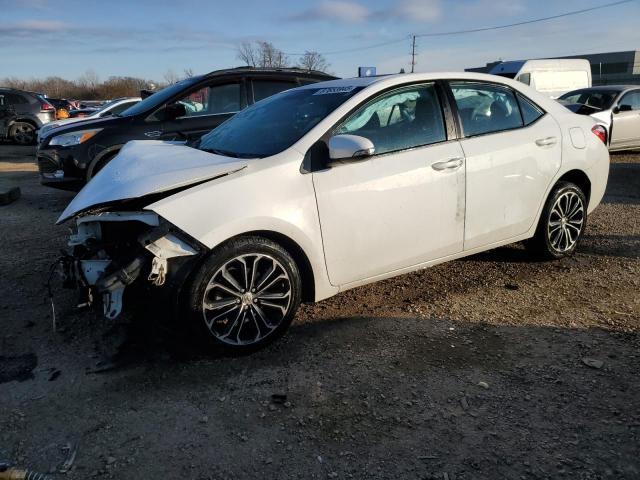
(599, 99)
(274, 124)
(158, 98)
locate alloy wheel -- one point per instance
(24, 134)
(565, 221)
(246, 299)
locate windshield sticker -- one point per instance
(334, 90)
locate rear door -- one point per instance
(512, 150)
(626, 124)
(262, 88)
(206, 107)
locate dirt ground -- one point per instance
(496, 366)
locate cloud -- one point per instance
(343, 11)
(334, 10)
(490, 8)
(31, 27)
(415, 10)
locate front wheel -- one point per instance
(245, 295)
(562, 222)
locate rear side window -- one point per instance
(405, 118)
(486, 108)
(530, 112)
(263, 88)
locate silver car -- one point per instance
(616, 107)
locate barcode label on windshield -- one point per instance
(334, 90)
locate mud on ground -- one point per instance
(494, 366)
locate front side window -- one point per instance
(274, 124)
(265, 88)
(121, 108)
(486, 108)
(632, 99)
(214, 100)
(405, 118)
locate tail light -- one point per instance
(46, 107)
(600, 132)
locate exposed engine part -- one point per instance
(112, 286)
(112, 249)
(168, 246)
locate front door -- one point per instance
(513, 151)
(206, 108)
(626, 123)
(404, 205)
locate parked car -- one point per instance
(63, 107)
(32, 112)
(616, 107)
(330, 186)
(7, 117)
(114, 107)
(71, 155)
(552, 77)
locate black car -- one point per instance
(69, 156)
(31, 112)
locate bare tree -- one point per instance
(262, 54)
(248, 53)
(89, 79)
(171, 77)
(188, 73)
(313, 61)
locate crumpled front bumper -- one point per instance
(102, 270)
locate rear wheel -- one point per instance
(245, 295)
(23, 133)
(562, 222)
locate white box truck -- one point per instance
(553, 77)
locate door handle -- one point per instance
(451, 164)
(153, 134)
(546, 142)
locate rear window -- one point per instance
(599, 99)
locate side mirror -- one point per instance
(350, 147)
(174, 110)
(622, 108)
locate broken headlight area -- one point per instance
(115, 251)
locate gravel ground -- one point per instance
(495, 366)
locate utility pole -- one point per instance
(413, 52)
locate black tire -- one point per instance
(253, 314)
(23, 133)
(558, 235)
(100, 165)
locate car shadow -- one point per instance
(623, 185)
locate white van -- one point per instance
(551, 77)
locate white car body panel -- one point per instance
(507, 173)
(395, 199)
(361, 222)
(146, 167)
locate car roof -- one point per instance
(293, 71)
(614, 88)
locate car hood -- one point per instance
(84, 123)
(145, 167)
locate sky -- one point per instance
(143, 38)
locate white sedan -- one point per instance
(329, 186)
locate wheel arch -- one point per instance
(105, 153)
(299, 256)
(28, 120)
(580, 178)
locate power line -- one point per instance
(526, 22)
(473, 30)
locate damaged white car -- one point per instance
(330, 186)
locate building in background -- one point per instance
(612, 68)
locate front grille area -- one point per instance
(47, 165)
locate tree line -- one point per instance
(90, 87)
